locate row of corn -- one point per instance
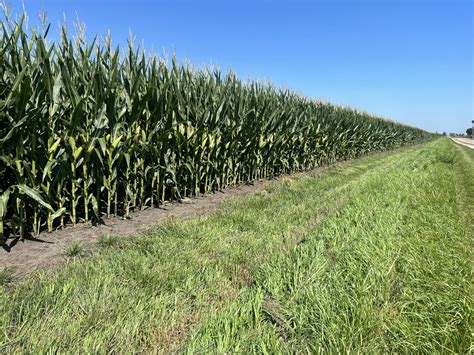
(89, 132)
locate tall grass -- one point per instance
(88, 133)
(388, 272)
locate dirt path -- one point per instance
(468, 142)
(47, 251)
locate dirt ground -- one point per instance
(468, 142)
(47, 251)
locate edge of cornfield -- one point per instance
(48, 251)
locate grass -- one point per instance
(371, 256)
(74, 249)
(107, 241)
(389, 272)
(6, 277)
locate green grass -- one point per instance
(107, 241)
(6, 277)
(371, 256)
(75, 249)
(389, 272)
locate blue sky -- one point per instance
(410, 61)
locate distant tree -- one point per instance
(444, 134)
(469, 131)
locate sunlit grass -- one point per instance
(389, 272)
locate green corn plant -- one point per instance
(87, 133)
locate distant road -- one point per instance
(465, 141)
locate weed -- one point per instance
(6, 277)
(75, 249)
(107, 241)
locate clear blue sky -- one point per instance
(410, 61)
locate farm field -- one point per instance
(373, 256)
(151, 206)
(90, 132)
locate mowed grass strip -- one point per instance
(389, 272)
(149, 294)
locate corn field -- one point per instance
(88, 131)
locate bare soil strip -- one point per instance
(47, 251)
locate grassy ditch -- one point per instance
(388, 272)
